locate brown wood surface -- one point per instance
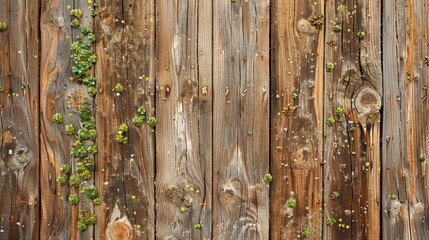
(240, 119)
(183, 110)
(19, 120)
(125, 172)
(296, 120)
(240, 89)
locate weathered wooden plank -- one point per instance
(61, 96)
(19, 120)
(296, 120)
(241, 119)
(184, 113)
(352, 121)
(125, 177)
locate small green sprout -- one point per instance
(1, 89)
(92, 91)
(279, 148)
(197, 226)
(393, 197)
(268, 178)
(74, 181)
(335, 194)
(86, 174)
(120, 136)
(152, 123)
(352, 129)
(74, 199)
(62, 180)
(291, 202)
(79, 150)
(361, 34)
(90, 192)
(305, 232)
(65, 168)
(317, 20)
(118, 88)
(294, 95)
(331, 221)
(85, 218)
(92, 149)
(142, 111)
(69, 129)
(290, 215)
(337, 28)
(427, 60)
(57, 118)
(330, 122)
(339, 111)
(138, 121)
(97, 201)
(3, 26)
(330, 67)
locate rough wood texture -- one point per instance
(353, 101)
(405, 143)
(184, 110)
(19, 120)
(241, 119)
(125, 172)
(296, 120)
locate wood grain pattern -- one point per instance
(353, 100)
(241, 119)
(184, 113)
(125, 176)
(296, 120)
(405, 125)
(19, 120)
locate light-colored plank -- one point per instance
(352, 149)
(296, 120)
(19, 120)
(184, 113)
(125, 176)
(241, 119)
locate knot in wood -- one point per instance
(121, 231)
(304, 26)
(174, 193)
(188, 200)
(368, 101)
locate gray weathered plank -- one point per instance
(19, 120)
(125, 55)
(241, 119)
(296, 121)
(184, 113)
(352, 103)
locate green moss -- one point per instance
(62, 180)
(331, 221)
(57, 118)
(69, 129)
(85, 218)
(268, 178)
(152, 123)
(74, 181)
(118, 88)
(74, 199)
(291, 202)
(330, 122)
(330, 67)
(90, 192)
(3, 26)
(65, 168)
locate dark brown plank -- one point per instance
(184, 113)
(19, 120)
(241, 119)
(353, 99)
(296, 120)
(125, 176)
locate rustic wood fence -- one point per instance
(329, 98)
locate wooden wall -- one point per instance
(329, 97)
